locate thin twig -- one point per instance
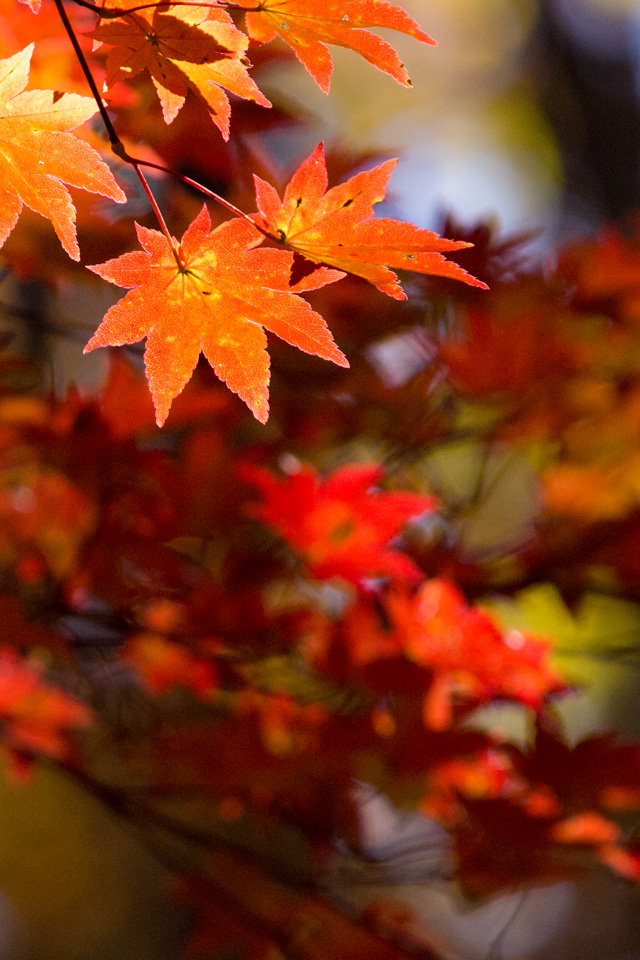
(121, 152)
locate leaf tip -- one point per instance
(162, 405)
(162, 412)
(261, 411)
(118, 194)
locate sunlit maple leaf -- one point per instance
(196, 47)
(38, 156)
(219, 300)
(342, 525)
(126, 406)
(337, 226)
(464, 643)
(307, 25)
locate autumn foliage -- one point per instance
(298, 597)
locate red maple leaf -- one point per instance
(306, 25)
(219, 298)
(342, 525)
(337, 226)
(466, 647)
(471, 659)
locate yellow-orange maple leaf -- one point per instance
(38, 156)
(337, 226)
(196, 47)
(307, 25)
(221, 300)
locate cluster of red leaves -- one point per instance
(469, 659)
(293, 630)
(289, 633)
(36, 717)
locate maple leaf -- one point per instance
(196, 47)
(39, 156)
(337, 226)
(468, 655)
(463, 645)
(125, 404)
(220, 300)
(341, 525)
(306, 25)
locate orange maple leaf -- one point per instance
(196, 47)
(39, 156)
(342, 525)
(337, 226)
(220, 299)
(306, 25)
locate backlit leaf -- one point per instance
(307, 25)
(39, 156)
(220, 300)
(337, 226)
